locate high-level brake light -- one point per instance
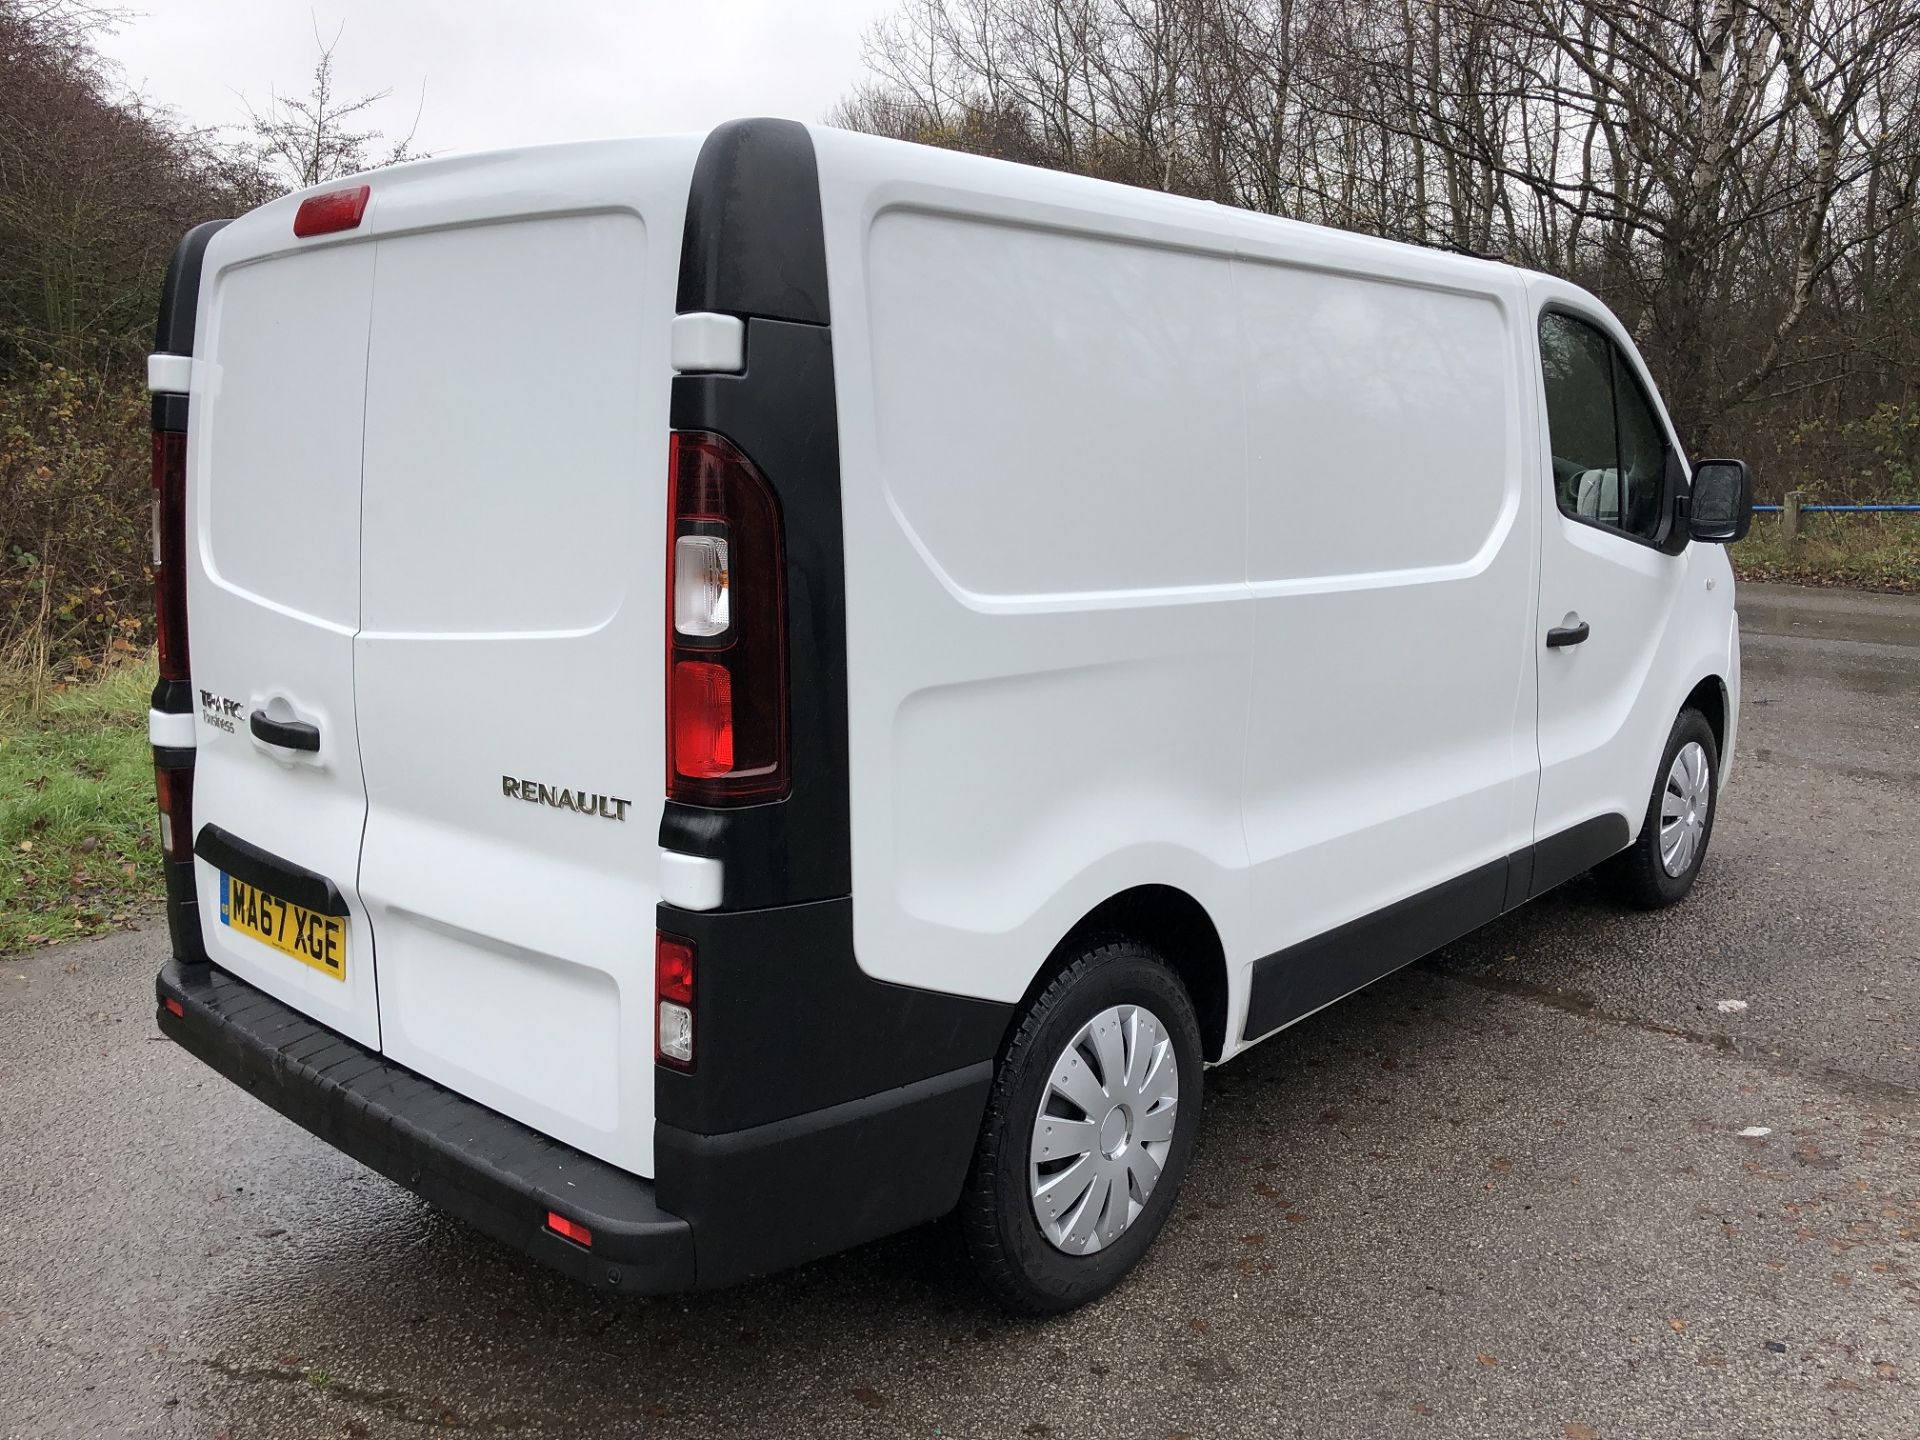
(335, 210)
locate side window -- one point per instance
(1609, 454)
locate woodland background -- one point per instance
(1736, 178)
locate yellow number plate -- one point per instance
(315, 940)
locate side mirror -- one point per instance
(1721, 507)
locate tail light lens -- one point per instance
(727, 696)
(673, 966)
(174, 788)
(170, 550)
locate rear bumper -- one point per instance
(497, 1175)
(745, 1201)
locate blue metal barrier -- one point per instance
(1842, 509)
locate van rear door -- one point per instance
(273, 591)
(509, 665)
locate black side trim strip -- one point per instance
(754, 243)
(1300, 979)
(268, 872)
(1574, 851)
(1519, 879)
(1294, 982)
(833, 1189)
(787, 1022)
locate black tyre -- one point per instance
(1088, 1131)
(1659, 867)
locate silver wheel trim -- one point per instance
(1685, 802)
(1106, 1121)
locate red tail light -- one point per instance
(170, 551)
(726, 628)
(335, 210)
(673, 967)
(174, 787)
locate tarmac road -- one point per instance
(1504, 1193)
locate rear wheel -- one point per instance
(1088, 1131)
(1659, 867)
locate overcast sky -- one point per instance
(503, 73)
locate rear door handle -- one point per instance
(289, 734)
(1568, 635)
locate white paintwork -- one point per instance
(169, 374)
(484, 602)
(1660, 625)
(176, 732)
(693, 882)
(1184, 547)
(273, 582)
(1194, 548)
(705, 343)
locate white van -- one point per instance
(746, 692)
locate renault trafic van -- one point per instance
(726, 696)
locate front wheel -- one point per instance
(1087, 1133)
(1659, 867)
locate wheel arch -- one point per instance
(1709, 697)
(1175, 925)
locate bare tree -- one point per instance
(307, 140)
(1737, 178)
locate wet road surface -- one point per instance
(1504, 1193)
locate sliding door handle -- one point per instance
(1568, 635)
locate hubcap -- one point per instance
(1684, 807)
(1103, 1129)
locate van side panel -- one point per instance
(1047, 618)
(1164, 525)
(1392, 551)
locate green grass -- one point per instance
(1863, 552)
(79, 849)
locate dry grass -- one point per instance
(1861, 552)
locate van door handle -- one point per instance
(1568, 635)
(287, 734)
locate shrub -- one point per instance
(75, 521)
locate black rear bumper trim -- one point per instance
(496, 1174)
